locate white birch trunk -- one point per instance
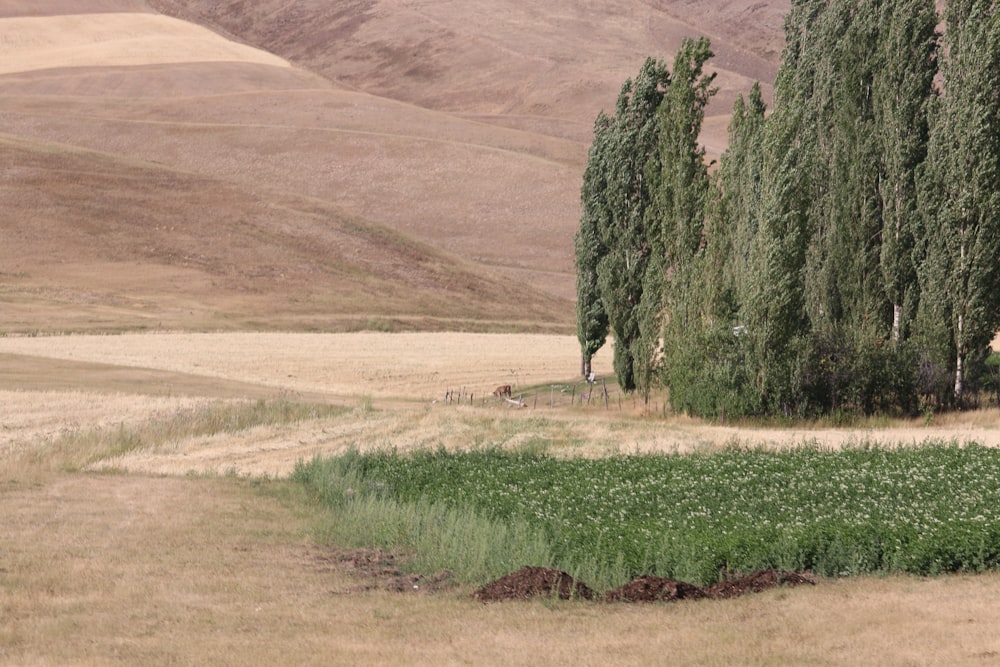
(959, 369)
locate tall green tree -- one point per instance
(906, 63)
(613, 231)
(838, 104)
(679, 211)
(741, 178)
(591, 318)
(778, 180)
(772, 298)
(961, 195)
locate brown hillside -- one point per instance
(94, 241)
(548, 67)
(461, 127)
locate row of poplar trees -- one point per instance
(845, 253)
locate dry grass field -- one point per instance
(201, 554)
(249, 195)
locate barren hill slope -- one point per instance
(95, 241)
(544, 66)
(462, 126)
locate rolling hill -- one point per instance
(281, 164)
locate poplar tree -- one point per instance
(591, 318)
(613, 225)
(961, 244)
(772, 299)
(741, 180)
(772, 231)
(678, 215)
(906, 62)
(849, 235)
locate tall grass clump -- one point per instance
(439, 535)
(923, 509)
(76, 449)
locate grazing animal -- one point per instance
(502, 390)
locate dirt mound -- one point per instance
(530, 582)
(654, 589)
(755, 583)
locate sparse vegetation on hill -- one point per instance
(154, 247)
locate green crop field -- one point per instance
(922, 509)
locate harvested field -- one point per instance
(403, 377)
(410, 366)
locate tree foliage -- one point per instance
(961, 263)
(844, 256)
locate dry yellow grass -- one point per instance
(65, 383)
(128, 568)
(420, 366)
(100, 570)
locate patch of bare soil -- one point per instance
(380, 570)
(531, 582)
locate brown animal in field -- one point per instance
(502, 390)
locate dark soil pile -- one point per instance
(755, 583)
(530, 582)
(654, 589)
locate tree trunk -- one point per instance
(584, 365)
(897, 317)
(959, 362)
